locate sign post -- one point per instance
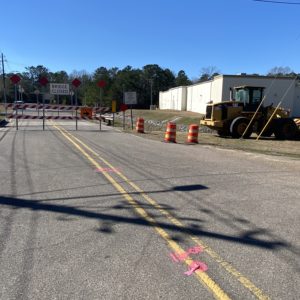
(4, 85)
(43, 82)
(151, 94)
(101, 85)
(21, 91)
(17, 120)
(100, 106)
(76, 118)
(131, 116)
(113, 110)
(123, 108)
(37, 92)
(15, 79)
(58, 104)
(71, 97)
(43, 115)
(130, 98)
(76, 83)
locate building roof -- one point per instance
(242, 75)
(255, 76)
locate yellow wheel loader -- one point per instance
(246, 114)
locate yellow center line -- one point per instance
(247, 283)
(203, 277)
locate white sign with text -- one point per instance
(59, 89)
(130, 98)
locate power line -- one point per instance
(278, 2)
(16, 63)
(8, 66)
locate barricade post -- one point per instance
(76, 119)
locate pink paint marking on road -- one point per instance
(179, 256)
(174, 257)
(195, 250)
(182, 256)
(196, 266)
(112, 170)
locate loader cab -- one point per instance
(251, 96)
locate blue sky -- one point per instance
(235, 36)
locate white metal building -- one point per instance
(174, 99)
(195, 97)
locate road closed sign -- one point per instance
(130, 98)
(59, 89)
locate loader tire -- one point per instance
(268, 132)
(238, 126)
(223, 132)
(285, 129)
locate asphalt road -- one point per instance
(104, 215)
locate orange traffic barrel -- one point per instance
(170, 135)
(140, 125)
(193, 134)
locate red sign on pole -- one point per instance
(76, 82)
(43, 81)
(123, 107)
(101, 83)
(15, 78)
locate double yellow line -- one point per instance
(208, 282)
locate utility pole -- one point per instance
(151, 98)
(4, 85)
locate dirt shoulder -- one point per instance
(264, 146)
(155, 126)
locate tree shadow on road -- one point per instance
(183, 188)
(245, 237)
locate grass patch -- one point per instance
(158, 119)
(267, 146)
(165, 115)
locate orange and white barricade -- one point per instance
(170, 135)
(193, 134)
(140, 125)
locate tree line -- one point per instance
(143, 81)
(150, 78)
